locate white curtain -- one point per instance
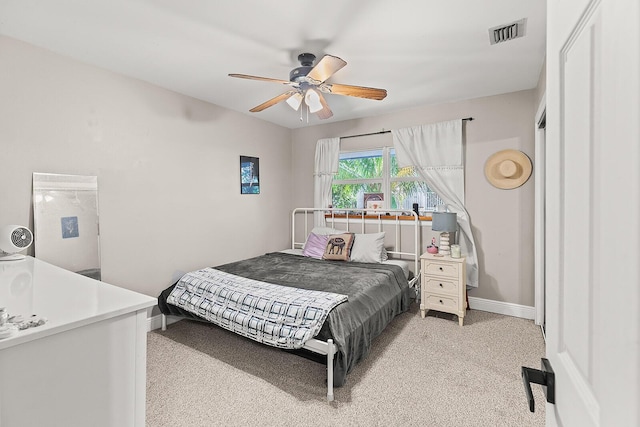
(436, 153)
(326, 166)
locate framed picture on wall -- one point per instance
(249, 175)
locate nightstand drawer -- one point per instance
(440, 285)
(447, 269)
(441, 303)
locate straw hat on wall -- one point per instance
(508, 169)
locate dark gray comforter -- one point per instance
(377, 293)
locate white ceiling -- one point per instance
(421, 51)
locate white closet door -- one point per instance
(593, 200)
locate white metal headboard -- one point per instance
(384, 219)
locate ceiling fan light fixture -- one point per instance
(312, 99)
(295, 100)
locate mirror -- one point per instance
(65, 220)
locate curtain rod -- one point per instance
(385, 131)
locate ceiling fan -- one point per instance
(309, 82)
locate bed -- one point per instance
(362, 292)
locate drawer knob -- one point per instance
(440, 301)
(440, 268)
(440, 284)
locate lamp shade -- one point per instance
(295, 100)
(312, 99)
(444, 221)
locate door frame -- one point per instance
(539, 213)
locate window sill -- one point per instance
(381, 217)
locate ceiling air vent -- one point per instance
(504, 33)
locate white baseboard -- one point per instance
(506, 308)
(155, 322)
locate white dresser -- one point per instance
(87, 365)
(444, 285)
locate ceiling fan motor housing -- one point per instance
(298, 73)
(306, 60)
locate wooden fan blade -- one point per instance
(264, 79)
(359, 91)
(325, 68)
(326, 112)
(273, 101)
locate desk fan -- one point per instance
(13, 239)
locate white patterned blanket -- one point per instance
(280, 316)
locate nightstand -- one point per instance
(444, 285)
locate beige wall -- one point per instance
(167, 166)
(502, 219)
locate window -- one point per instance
(373, 175)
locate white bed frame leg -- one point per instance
(330, 354)
(163, 318)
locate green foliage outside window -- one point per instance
(363, 172)
(360, 168)
(345, 196)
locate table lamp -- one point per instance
(445, 222)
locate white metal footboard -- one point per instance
(329, 349)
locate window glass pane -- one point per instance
(351, 196)
(395, 171)
(405, 194)
(360, 165)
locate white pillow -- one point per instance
(368, 248)
(325, 231)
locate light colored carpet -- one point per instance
(420, 372)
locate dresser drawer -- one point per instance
(446, 269)
(441, 303)
(440, 285)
